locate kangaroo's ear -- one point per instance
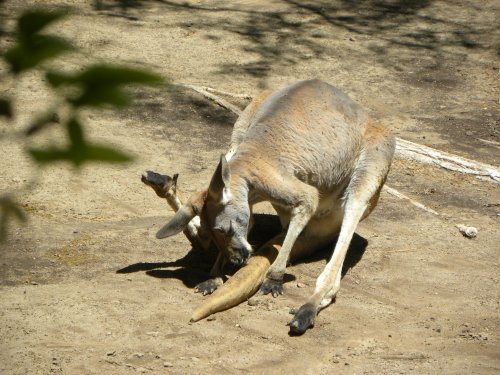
(178, 223)
(185, 214)
(219, 185)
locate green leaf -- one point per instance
(49, 155)
(9, 210)
(98, 96)
(109, 75)
(5, 108)
(78, 151)
(34, 20)
(75, 133)
(56, 79)
(77, 157)
(106, 154)
(42, 122)
(102, 84)
(39, 48)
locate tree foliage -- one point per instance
(98, 85)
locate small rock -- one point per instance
(211, 318)
(301, 285)
(237, 326)
(469, 232)
(168, 364)
(468, 133)
(195, 359)
(111, 354)
(253, 302)
(34, 283)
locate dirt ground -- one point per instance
(87, 289)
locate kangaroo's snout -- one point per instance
(239, 256)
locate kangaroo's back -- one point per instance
(311, 130)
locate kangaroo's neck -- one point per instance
(239, 188)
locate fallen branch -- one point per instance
(494, 143)
(428, 155)
(399, 195)
(404, 149)
(226, 93)
(222, 102)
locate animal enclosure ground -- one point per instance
(87, 289)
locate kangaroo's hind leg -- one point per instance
(360, 198)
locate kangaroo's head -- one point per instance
(222, 212)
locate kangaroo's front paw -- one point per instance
(303, 319)
(208, 286)
(273, 286)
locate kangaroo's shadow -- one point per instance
(191, 269)
(195, 266)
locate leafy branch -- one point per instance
(99, 85)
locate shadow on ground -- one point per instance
(194, 267)
(292, 30)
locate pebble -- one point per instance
(469, 232)
(253, 302)
(301, 285)
(168, 364)
(211, 318)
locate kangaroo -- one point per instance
(319, 159)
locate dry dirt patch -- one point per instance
(418, 297)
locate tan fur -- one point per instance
(321, 162)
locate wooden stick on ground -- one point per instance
(428, 155)
(217, 99)
(399, 195)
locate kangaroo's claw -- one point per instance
(303, 319)
(275, 287)
(207, 287)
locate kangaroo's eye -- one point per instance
(230, 232)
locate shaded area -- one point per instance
(289, 31)
(434, 51)
(195, 266)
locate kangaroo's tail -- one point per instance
(241, 286)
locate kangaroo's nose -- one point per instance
(239, 256)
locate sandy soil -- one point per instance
(87, 289)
